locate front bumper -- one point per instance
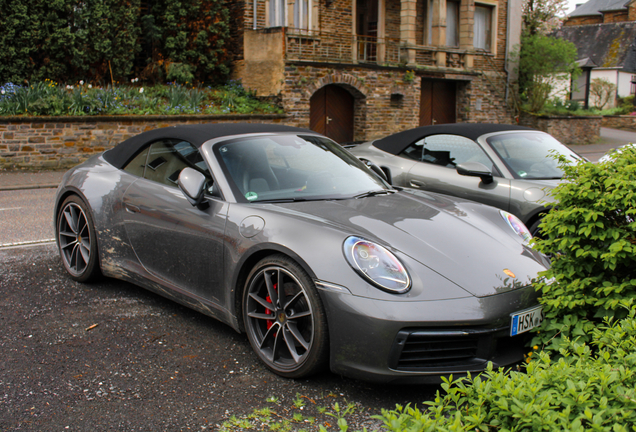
(419, 341)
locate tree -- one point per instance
(543, 16)
(602, 92)
(543, 62)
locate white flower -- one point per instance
(132, 80)
(141, 90)
(2, 91)
(68, 87)
(81, 82)
(90, 86)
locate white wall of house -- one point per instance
(625, 83)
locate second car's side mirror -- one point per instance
(192, 183)
(376, 169)
(475, 169)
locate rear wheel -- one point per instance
(284, 318)
(75, 232)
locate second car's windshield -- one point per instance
(293, 167)
(530, 155)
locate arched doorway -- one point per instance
(331, 113)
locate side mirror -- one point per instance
(192, 183)
(376, 169)
(475, 169)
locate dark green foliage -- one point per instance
(584, 389)
(591, 236)
(105, 41)
(186, 41)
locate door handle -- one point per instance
(329, 119)
(434, 121)
(131, 208)
(418, 183)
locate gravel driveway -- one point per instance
(112, 356)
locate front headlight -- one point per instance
(377, 265)
(517, 226)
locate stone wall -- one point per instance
(568, 130)
(627, 122)
(61, 142)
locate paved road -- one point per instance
(26, 215)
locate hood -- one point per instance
(468, 243)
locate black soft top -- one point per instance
(397, 142)
(195, 134)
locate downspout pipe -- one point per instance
(254, 15)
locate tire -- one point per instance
(76, 240)
(288, 334)
(535, 230)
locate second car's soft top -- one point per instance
(195, 134)
(397, 142)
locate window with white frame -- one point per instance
(452, 23)
(276, 13)
(482, 31)
(633, 87)
(301, 14)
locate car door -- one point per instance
(173, 240)
(438, 155)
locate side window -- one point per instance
(138, 164)
(167, 158)
(163, 161)
(447, 151)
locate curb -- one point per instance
(42, 186)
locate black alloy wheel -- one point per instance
(284, 318)
(75, 232)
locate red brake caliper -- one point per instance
(270, 323)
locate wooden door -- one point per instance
(331, 113)
(438, 102)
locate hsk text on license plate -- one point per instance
(526, 320)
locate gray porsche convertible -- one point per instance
(507, 166)
(282, 234)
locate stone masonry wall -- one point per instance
(568, 130)
(61, 142)
(627, 122)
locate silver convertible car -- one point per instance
(285, 236)
(506, 166)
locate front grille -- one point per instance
(425, 350)
(419, 350)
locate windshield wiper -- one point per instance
(375, 193)
(286, 200)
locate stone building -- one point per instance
(361, 69)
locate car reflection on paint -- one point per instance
(506, 166)
(285, 236)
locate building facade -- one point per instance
(604, 33)
(361, 69)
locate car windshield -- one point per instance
(530, 155)
(294, 168)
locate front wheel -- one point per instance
(75, 232)
(284, 318)
(535, 230)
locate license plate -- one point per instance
(526, 320)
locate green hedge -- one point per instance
(591, 236)
(101, 41)
(585, 389)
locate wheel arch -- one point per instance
(247, 263)
(536, 216)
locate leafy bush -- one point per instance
(584, 389)
(105, 41)
(591, 236)
(50, 98)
